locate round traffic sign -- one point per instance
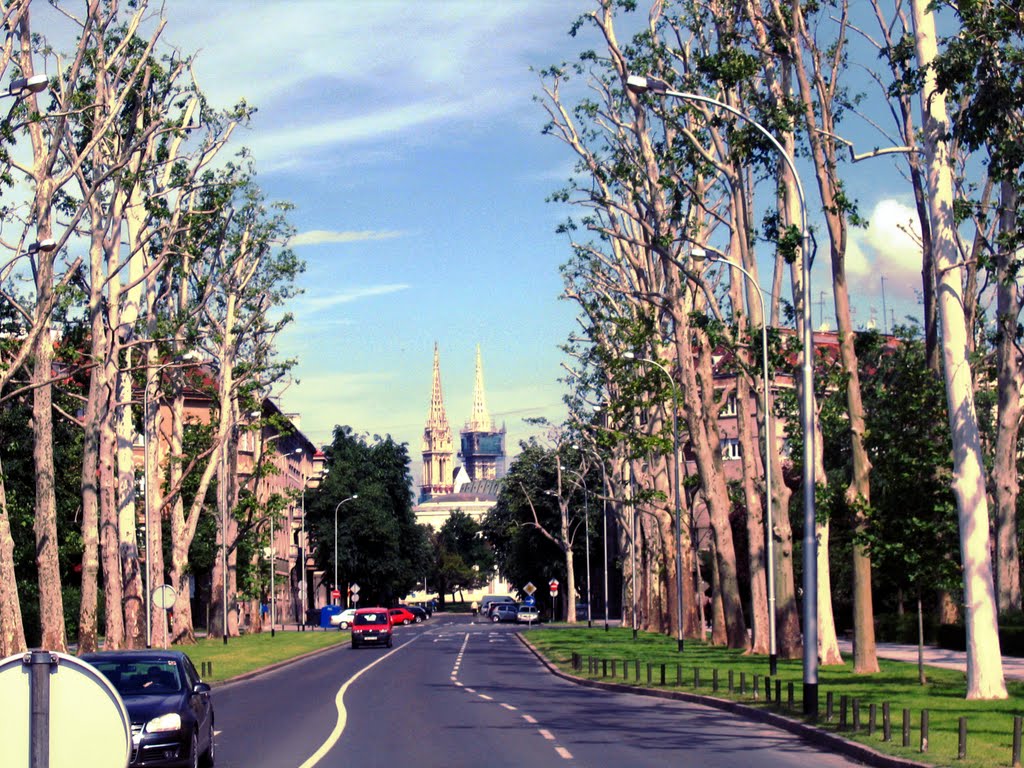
(164, 597)
(88, 723)
(335, 594)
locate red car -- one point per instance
(402, 616)
(371, 626)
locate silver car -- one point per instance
(504, 612)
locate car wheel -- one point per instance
(405, 622)
(390, 641)
(193, 755)
(344, 625)
(354, 644)
(495, 619)
(208, 757)
(419, 619)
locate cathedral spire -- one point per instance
(480, 419)
(438, 451)
(437, 418)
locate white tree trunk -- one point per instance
(984, 659)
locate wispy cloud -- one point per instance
(317, 303)
(324, 236)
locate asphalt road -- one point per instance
(457, 693)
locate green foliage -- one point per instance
(380, 546)
(460, 556)
(912, 530)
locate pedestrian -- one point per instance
(474, 607)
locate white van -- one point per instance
(489, 600)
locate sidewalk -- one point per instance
(1013, 667)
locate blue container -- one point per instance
(325, 615)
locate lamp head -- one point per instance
(648, 84)
(42, 246)
(699, 254)
(22, 86)
(629, 355)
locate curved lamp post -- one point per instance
(679, 507)
(653, 85)
(701, 254)
(350, 498)
(604, 524)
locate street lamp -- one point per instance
(49, 245)
(679, 506)
(700, 254)
(604, 532)
(639, 84)
(23, 86)
(350, 498)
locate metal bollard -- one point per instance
(757, 680)
(924, 730)
(714, 680)
(829, 706)
(790, 699)
(886, 722)
(906, 727)
(844, 703)
(604, 667)
(649, 673)
(662, 674)
(743, 683)
(856, 715)
(1015, 757)
(767, 689)
(679, 675)
(961, 750)
(778, 692)
(730, 681)
(872, 716)
(637, 664)
(696, 678)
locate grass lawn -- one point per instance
(989, 723)
(251, 652)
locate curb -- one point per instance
(809, 733)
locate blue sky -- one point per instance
(406, 135)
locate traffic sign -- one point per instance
(529, 589)
(335, 594)
(553, 587)
(531, 601)
(355, 598)
(354, 589)
(164, 596)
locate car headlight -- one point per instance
(169, 722)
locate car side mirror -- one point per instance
(201, 688)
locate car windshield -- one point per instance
(141, 678)
(369, 618)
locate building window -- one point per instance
(729, 409)
(730, 449)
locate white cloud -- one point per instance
(324, 236)
(887, 248)
(317, 303)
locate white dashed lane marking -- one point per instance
(498, 637)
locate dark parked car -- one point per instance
(170, 708)
(415, 610)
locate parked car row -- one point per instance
(513, 612)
